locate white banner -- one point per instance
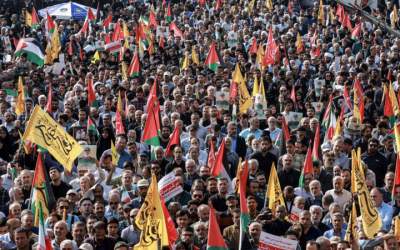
(169, 187)
(273, 242)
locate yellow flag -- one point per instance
(351, 231)
(274, 191)
(150, 220)
(397, 136)
(397, 227)
(394, 16)
(260, 55)
(321, 13)
(268, 4)
(126, 43)
(238, 173)
(114, 154)
(185, 62)
(393, 100)
(250, 7)
(96, 57)
(245, 101)
(371, 220)
(53, 48)
(28, 18)
(47, 133)
(125, 30)
(255, 87)
(195, 57)
(332, 16)
(124, 71)
(338, 129)
(20, 104)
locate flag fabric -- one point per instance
(151, 221)
(31, 48)
(50, 25)
(20, 103)
(271, 50)
(49, 107)
(255, 87)
(285, 129)
(119, 126)
(177, 32)
(397, 137)
(321, 13)
(91, 94)
(152, 128)
(53, 47)
(152, 19)
(396, 175)
(185, 62)
(274, 191)
(195, 56)
(351, 231)
(269, 5)
(371, 220)
(358, 111)
(26, 144)
(393, 100)
(397, 227)
(307, 168)
(134, 68)
(253, 48)
(106, 22)
(218, 163)
(299, 44)
(244, 210)
(42, 197)
(215, 239)
(112, 47)
(168, 17)
(245, 101)
(91, 127)
(95, 58)
(44, 241)
(47, 133)
(33, 19)
(173, 141)
(211, 155)
(114, 154)
(212, 60)
(260, 56)
(355, 33)
(171, 230)
(394, 17)
(315, 150)
(260, 100)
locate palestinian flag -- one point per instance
(91, 127)
(134, 68)
(42, 198)
(215, 239)
(168, 17)
(244, 210)
(44, 241)
(50, 25)
(91, 95)
(113, 47)
(308, 167)
(174, 140)
(152, 128)
(32, 49)
(32, 19)
(212, 60)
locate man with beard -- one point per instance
(264, 157)
(164, 138)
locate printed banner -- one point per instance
(273, 242)
(169, 186)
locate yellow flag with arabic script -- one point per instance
(245, 101)
(370, 218)
(274, 191)
(150, 220)
(20, 103)
(351, 231)
(47, 133)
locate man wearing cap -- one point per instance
(142, 186)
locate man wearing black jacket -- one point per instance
(238, 143)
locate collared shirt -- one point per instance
(6, 242)
(330, 233)
(131, 235)
(247, 132)
(386, 213)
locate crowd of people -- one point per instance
(326, 56)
